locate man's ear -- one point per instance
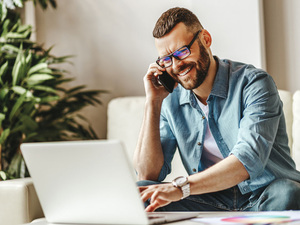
(205, 38)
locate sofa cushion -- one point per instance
(124, 120)
(287, 99)
(296, 128)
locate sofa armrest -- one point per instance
(18, 202)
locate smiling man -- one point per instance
(227, 122)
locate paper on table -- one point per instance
(276, 217)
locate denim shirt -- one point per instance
(245, 118)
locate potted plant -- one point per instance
(35, 104)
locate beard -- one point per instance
(201, 65)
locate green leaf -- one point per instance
(29, 58)
(10, 48)
(38, 78)
(44, 88)
(18, 3)
(15, 72)
(14, 35)
(18, 128)
(3, 11)
(17, 106)
(3, 70)
(5, 27)
(17, 67)
(16, 25)
(19, 31)
(18, 89)
(3, 93)
(29, 108)
(43, 3)
(3, 175)
(49, 99)
(46, 70)
(4, 135)
(37, 68)
(53, 3)
(29, 122)
(23, 28)
(15, 167)
(2, 117)
(75, 89)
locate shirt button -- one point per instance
(203, 117)
(194, 170)
(199, 143)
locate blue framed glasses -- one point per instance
(179, 54)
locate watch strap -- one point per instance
(185, 187)
(185, 190)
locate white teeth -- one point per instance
(185, 72)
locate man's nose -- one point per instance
(176, 64)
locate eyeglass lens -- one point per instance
(180, 54)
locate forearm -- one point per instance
(148, 157)
(223, 175)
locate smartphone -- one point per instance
(167, 81)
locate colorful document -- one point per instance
(281, 217)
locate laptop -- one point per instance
(90, 182)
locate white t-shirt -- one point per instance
(211, 153)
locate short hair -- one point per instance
(169, 19)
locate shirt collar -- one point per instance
(220, 86)
(184, 95)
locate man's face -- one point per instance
(191, 71)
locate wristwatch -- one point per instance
(183, 184)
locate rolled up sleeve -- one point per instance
(168, 143)
(262, 109)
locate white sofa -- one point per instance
(18, 200)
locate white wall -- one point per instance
(113, 43)
(282, 30)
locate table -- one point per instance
(201, 215)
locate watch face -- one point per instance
(180, 181)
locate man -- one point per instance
(225, 118)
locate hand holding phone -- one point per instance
(167, 81)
